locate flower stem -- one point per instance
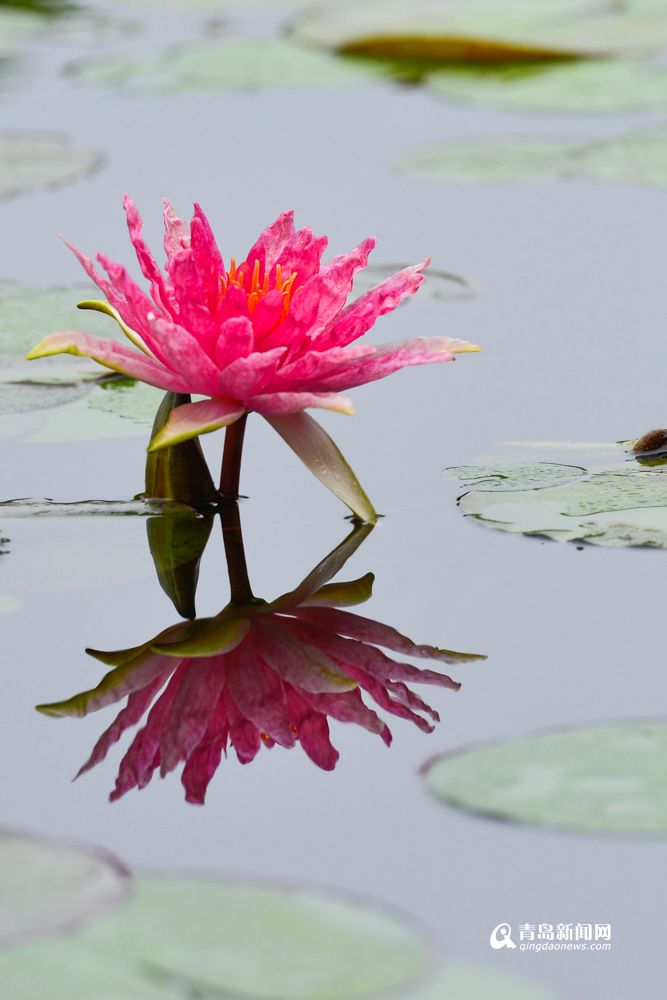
(232, 535)
(231, 459)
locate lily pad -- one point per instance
(46, 886)
(487, 31)
(612, 85)
(618, 506)
(597, 779)
(31, 162)
(469, 982)
(189, 937)
(29, 313)
(9, 604)
(439, 285)
(226, 65)
(635, 157)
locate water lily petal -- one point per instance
(389, 358)
(317, 451)
(271, 242)
(276, 403)
(361, 314)
(192, 419)
(117, 357)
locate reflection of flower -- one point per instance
(271, 334)
(256, 674)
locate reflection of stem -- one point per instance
(239, 582)
(231, 459)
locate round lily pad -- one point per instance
(215, 938)
(598, 779)
(458, 981)
(487, 31)
(638, 157)
(618, 506)
(228, 64)
(602, 85)
(46, 886)
(9, 604)
(29, 313)
(30, 162)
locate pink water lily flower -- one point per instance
(273, 334)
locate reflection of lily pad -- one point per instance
(599, 779)
(487, 31)
(226, 65)
(620, 506)
(590, 86)
(635, 157)
(29, 162)
(438, 284)
(179, 937)
(46, 886)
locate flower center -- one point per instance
(256, 289)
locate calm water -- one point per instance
(570, 309)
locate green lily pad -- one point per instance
(9, 604)
(114, 409)
(634, 157)
(31, 162)
(487, 31)
(469, 982)
(591, 86)
(618, 506)
(211, 938)
(46, 886)
(29, 313)
(439, 285)
(226, 65)
(597, 779)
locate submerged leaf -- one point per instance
(318, 452)
(619, 506)
(29, 162)
(599, 779)
(210, 938)
(47, 886)
(487, 31)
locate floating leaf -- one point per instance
(598, 779)
(487, 31)
(86, 508)
(619, 506)
(29, 162)
(46, 886)
(210, 938)
(635, 157)
(29, 313)
(468, 982)
(592, 86)
(24, 397)
(438, 284)
(9, 604)
(226, 65)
